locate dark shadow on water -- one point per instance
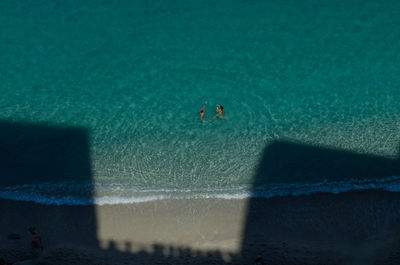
(39, 153)
(291, 162)
(35, 153)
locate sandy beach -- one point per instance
(198, 231)
(105, 151)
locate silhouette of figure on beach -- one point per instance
(36, 241)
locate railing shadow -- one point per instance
(39, 154)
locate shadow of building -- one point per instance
(39, 154)
(328, 210)
(47, 160)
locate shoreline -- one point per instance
(203, 231)
(28, 193)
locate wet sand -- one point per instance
(206, 231)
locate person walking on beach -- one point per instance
(36, 241)
(202, 111)
(219, 113)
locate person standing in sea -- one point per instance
(219, 113)
(202, 111)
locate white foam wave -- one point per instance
(109, 200)
(102, 194)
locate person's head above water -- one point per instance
(219, 113)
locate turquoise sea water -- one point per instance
(136, 73)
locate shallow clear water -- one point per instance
(135, 74)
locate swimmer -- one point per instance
(219, 113)
(202, 110)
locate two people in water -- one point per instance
(219, 113)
